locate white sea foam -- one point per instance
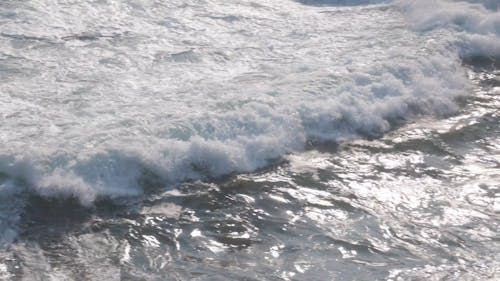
(475, 25)
(99, 105)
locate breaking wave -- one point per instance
(250, 124)
(474, 25)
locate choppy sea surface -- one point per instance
(249, 140)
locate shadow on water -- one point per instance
(48, 220)
(482, 63)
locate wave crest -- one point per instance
(476, 23)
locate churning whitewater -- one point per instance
(96, 94)
(114, 110)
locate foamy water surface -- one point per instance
(286, 140)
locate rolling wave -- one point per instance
(118, 120)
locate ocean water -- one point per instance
(250, 140)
